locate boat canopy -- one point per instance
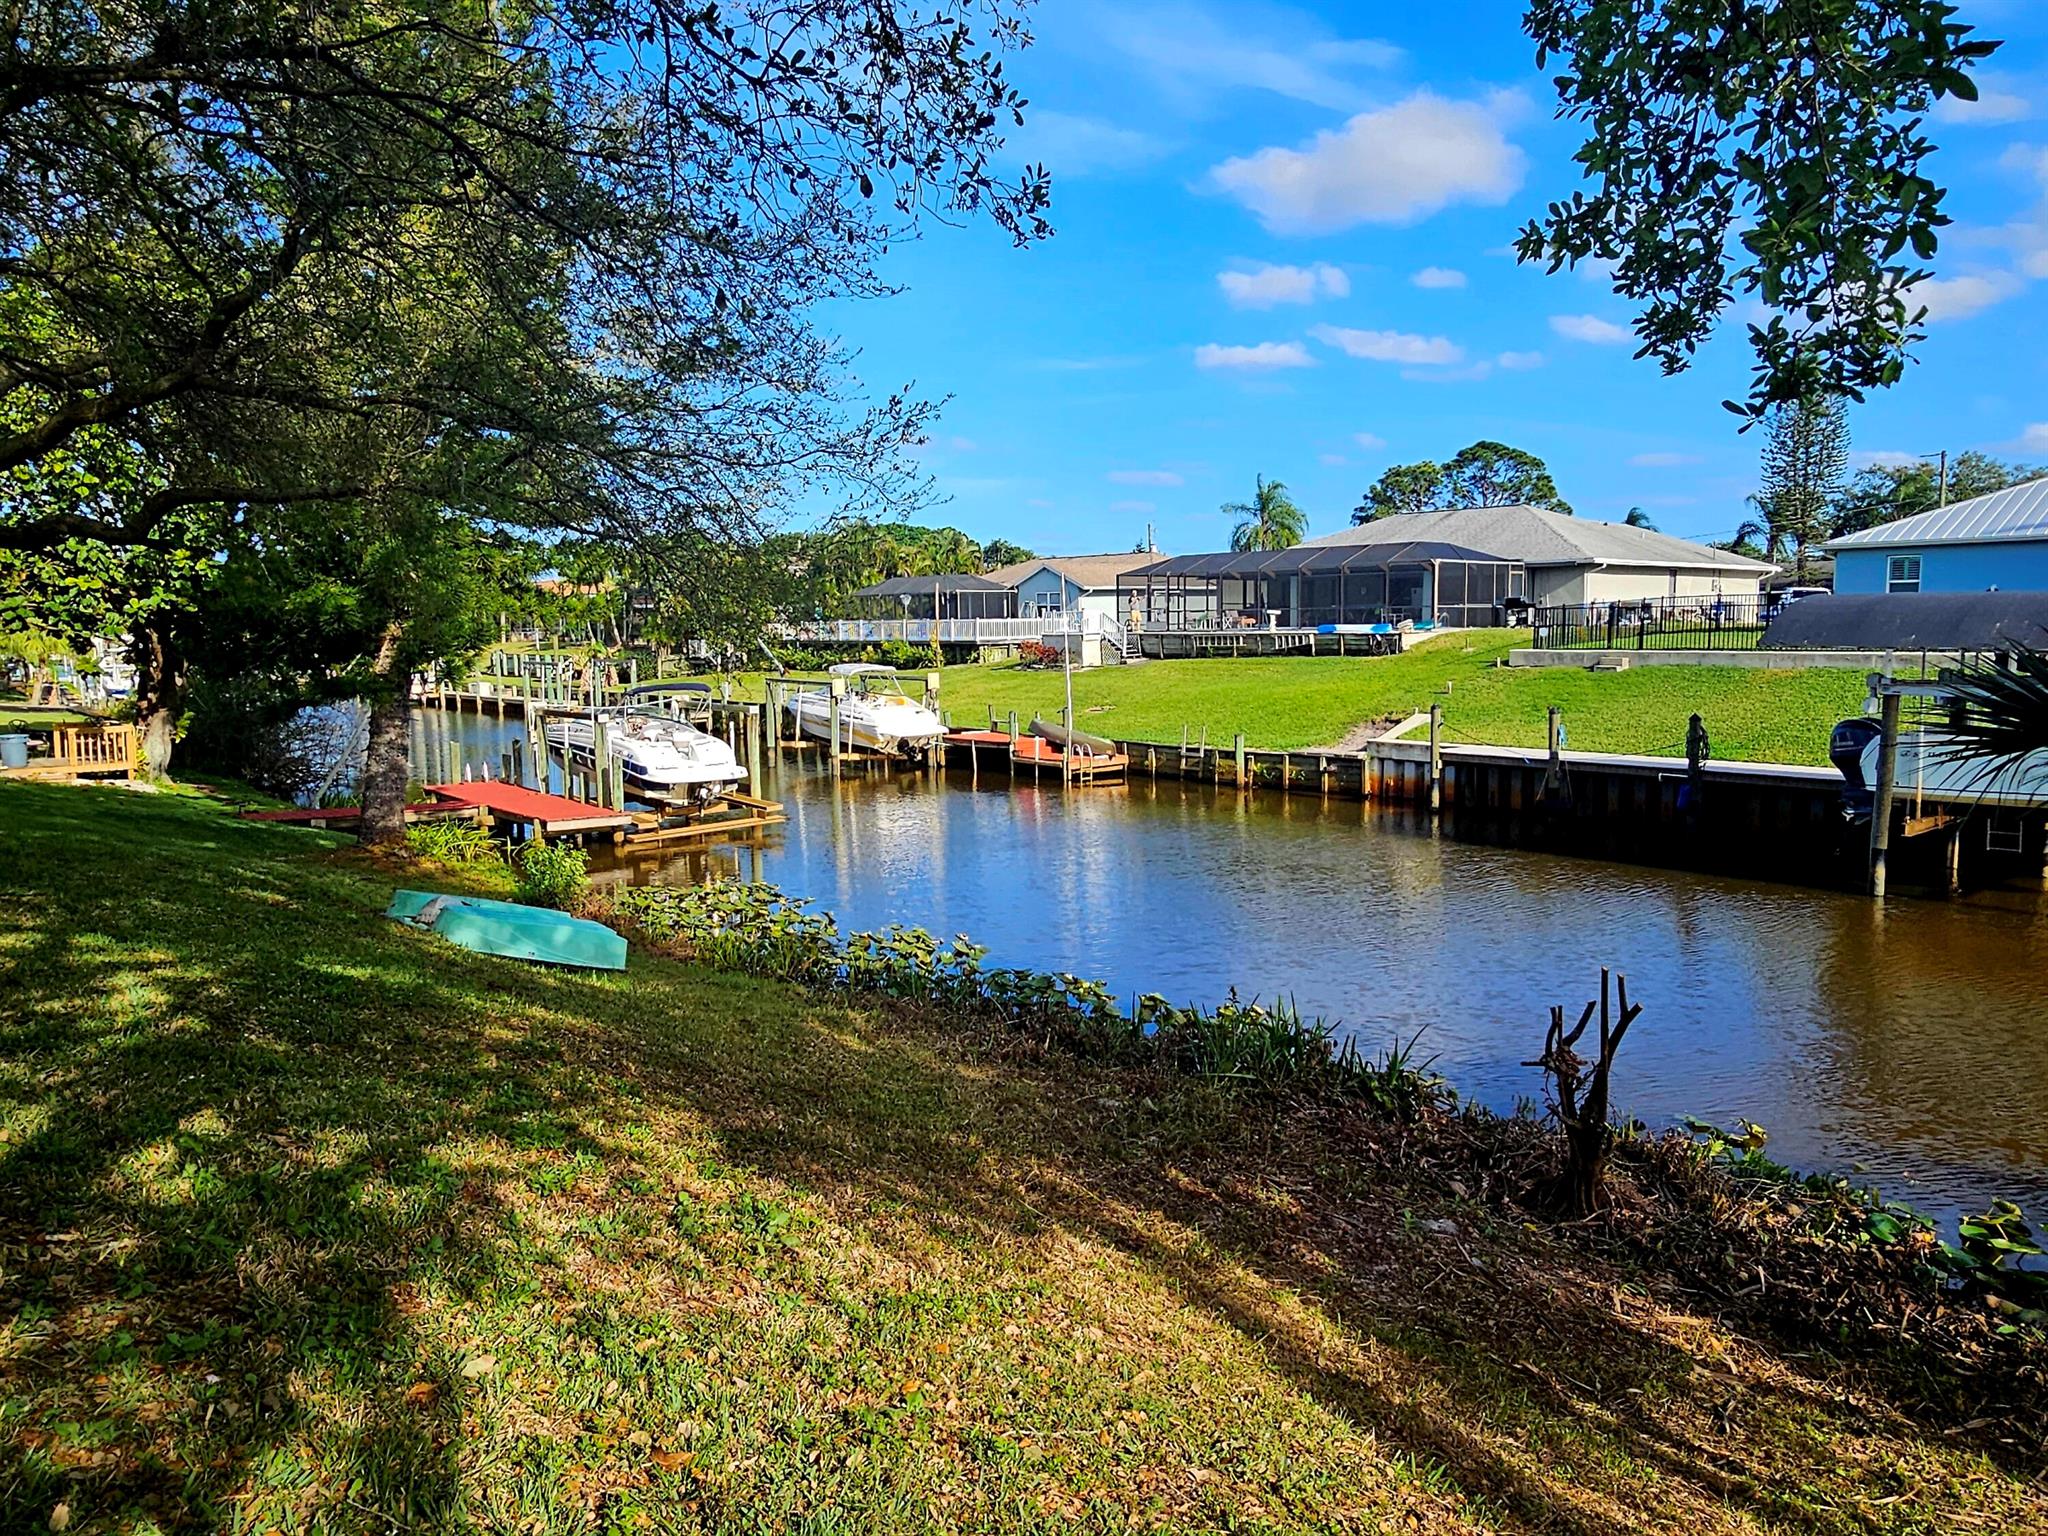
(860, 669)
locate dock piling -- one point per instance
(1881, 807)
(1436, 759)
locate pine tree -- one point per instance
(1805, 456)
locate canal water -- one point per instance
(1903, 1044)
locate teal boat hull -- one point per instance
(514, 931)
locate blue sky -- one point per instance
(1281, 250)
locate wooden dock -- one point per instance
(545, 814)
(1034, 755)
(734, 814)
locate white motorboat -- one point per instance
(873, 712)
(661, 757)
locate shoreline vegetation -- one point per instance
(309, 1221)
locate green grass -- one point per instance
(1288, 702)
(308, 1222)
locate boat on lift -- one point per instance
(661, 757)
(874, 712)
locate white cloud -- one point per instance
(1132, 506)
(2000, 99)
(1393, 165)
(1260, 355)
(1883, 458)
(1194, 56)
(1332, 459)
(1438, 277)
(1143, 477)
(1958, 298)
(1075, 144)
(1040, 502)
(2034, 438)
(1604, 333)
(1265, 285)
(1520, 362)
(1371, 442)
(1663, 460)
(1389, 346)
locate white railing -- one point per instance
(955, 631)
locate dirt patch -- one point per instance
(1355, 739)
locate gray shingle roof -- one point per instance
(1092, 573)
(1540, 538)
(2019, 512)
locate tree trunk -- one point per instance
(386, 764)
(159, 689)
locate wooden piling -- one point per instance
(1881, 807)
(1436, 759)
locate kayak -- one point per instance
(1059, 735)
(509, 929)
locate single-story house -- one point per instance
(1315, 584)
(949, 596)
(1060, 583)
(1998, 540)
(1573, 560)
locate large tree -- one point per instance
(1270, 520)
(1769, 151)
(1483, 474)
(232, 218)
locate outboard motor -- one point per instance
(1845, 751)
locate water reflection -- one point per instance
(1904, 1040)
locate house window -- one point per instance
(1902, 573)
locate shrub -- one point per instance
(450, 842)
(552, 875)
(1036, 653)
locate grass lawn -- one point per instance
(1285, 702)
(311, 1223)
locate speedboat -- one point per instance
(1934, 765)
(873, 712)
(661, 757)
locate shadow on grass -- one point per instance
(265, 1154)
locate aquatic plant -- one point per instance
(758, 930)
(551, 875)
(450, 842)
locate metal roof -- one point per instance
(1539, 538)
(1315, 557)
(1912, 621)
(2017, 513)
(924, 586)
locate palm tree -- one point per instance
(1638, 518)
(1756, 536)
(1270, 520)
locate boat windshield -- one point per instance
(876, 685)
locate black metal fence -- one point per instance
(1656, 624)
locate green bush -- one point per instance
(552, 875)
(450, 842)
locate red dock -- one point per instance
(548, 815)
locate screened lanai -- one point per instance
(936, 597)
(1316, 584)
